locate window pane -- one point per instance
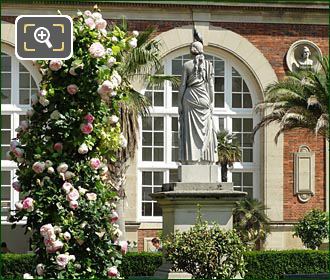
(175, 99)
(5, 193)
(22, 68)
(237, 100)
(221, 123)
(147, 138)
(24, 80)
(158, 99)
(247, 155)
(245, 87)
(175, 154)
(4, 151)
(219, 84)
(157, 210)
(159, 123)
(247, 179)
(5, 137)
(237, 178)
(237, 84)
(219, 100)
(237, 125)
(5, 96)
(174, 175)
(247, 102)
(235, 72)
(238, 139)
(175, 124)
(158, 139)
(247, 125)
(175, 139)
(158, 154)
(5, 122)
(146, 208)
(22, 118)
(33, 83)
(146, 154)
(157, 189)
(147, 178)
(148, 95)
(158, 178)
(219, 67)
(24, 96)
(147, 123)
(5, 178)
(5, 63)
(5, 80)
(247, 140)
(249, 192)
(145, 193)
(176, 67)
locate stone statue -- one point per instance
(198, 141)
(305, 61)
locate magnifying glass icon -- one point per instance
(41, 35)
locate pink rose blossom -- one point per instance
(56, 246)
(46, 229)
(106, 87)
(96, 50)
(111, 61)
(113, 271)
(72, 89)
(87, 13)
(73, 195)
(96, 15)
(91, 196)
(28, 204)
(113, 119)
(83, 149)
(14, 144)
(95, 163)
(67, 187)
(86, 128)
(42, 93)
(124, 246)
(38, 167)
(89, 118)
(100, 24)
(73, 204)
(114, 216)
(19, 205)
(90, 23)
(55, 64)
(58, 147)
(67, 236)
(18, 152)
(62, 260)
(62, 168)
(17, 186)
(40, 269)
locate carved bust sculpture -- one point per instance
(198, 140)
(305, 61)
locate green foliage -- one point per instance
(273, 264)
(250, 220)
(206, 251)
(133, 264)
(299, 101)
(140, 264)
(313, 228)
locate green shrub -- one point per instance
(313, 228)
(15, 265)
(273, 264)
(133, 264)
(140, 264)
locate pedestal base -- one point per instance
(199, 173)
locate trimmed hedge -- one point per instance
(260, 264)
(274, 264)
(134, 264)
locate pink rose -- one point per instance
(114, 216)
(57, 245)
(111, 61)
(83, 149)
(58, 147)
(67, 187)
(38, 167)
(18, 152)
(40, 269)
(96, 50)
(89, 118)
(100, 24)
(73, 204)
(55, 64)
(124, 246)
(42, 93)
(112, 271)
(28, 204)
(72, 195)
(62, 260)
(17, 186)
(62, 168)
(95, 163)
(14, 144)
(106, 87)
(46, 229)
(90, 23)
(72, 89)
(87, 13)
(86, 128)
(91, 196)
(113, 119)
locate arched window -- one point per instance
(17, 86)
(233, 111)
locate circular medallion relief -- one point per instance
(303, 54)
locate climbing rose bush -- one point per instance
(63, 149)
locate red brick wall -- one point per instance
(293, 208)
(142, 233)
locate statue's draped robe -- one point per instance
(197, 132)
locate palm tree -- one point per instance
(299, 101)
(251, 221)
(228, 152)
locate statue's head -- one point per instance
(196, 48)
(306, 52)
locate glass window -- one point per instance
(243, 130)
(241, 97)
(153, 139)
(243, 181)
